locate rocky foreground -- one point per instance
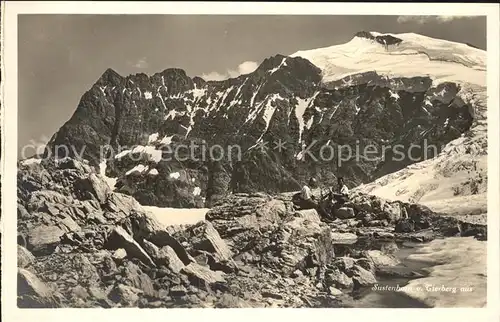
(82, 245)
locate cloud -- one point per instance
(247, 67)
(141, 63)
(34, 146)
(242, 69)
(214, 76)
(426, 19)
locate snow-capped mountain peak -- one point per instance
(400, 55)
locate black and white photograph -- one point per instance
(265, 160)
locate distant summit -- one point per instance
(381, 39)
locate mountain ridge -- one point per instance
(361, 34)
(287, 98)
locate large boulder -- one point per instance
(24, 257)
(344, 237)
(391, 211)
(119, 238)
(241, 219)
(263, 230)
(404, 226)
(362, 277)
(68, 224)
(168, 257)
(164, 256)
(43, 239)
(344, 213)
(296, 244)
(96, 186)
(337, 278)
(202, 277)
(125, 295)
(133, 276)
(381, 259)
(142, 224)
(121, 205)
(204, 237)
(32, 292)
(310, 214)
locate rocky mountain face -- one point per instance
(285, 122)
(85, 239)
(82, 245)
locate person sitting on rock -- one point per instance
(305, 199)
(342, 194)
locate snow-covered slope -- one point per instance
(177, 216)
(415, 55)
(455, 181)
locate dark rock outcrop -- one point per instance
(385, 40)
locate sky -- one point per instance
(61, 56)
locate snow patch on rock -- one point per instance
(177, 216)
(31, 161)
(153, 154)
(137, 169)
(175, 175)
(283, 63)
(300, 108)
(167, 140)
(153, 138)
(102, 171)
